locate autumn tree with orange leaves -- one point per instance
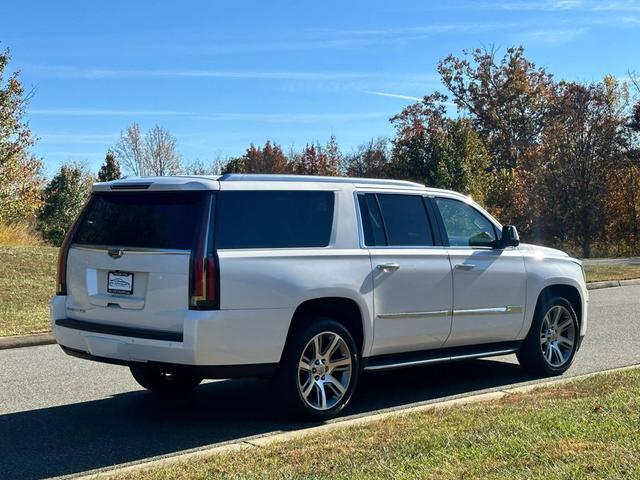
(20, 180)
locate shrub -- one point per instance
(19, 234)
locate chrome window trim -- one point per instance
(138, 250)
(359, 221)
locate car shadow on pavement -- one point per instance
(137, 425)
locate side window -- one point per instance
(274, 219)
(371, 220)
(465, 226)
(405, 220)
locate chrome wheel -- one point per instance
(324, 371)
(557, 336)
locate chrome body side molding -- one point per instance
(441, 313)
(489, 311)
(436, 313)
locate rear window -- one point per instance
(274, 219)
(147, 220)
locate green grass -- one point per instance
(27, 283)
(597, 273)
(585, 429)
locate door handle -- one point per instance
(464, 266)
(388, 267)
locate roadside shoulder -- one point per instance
(19, 341)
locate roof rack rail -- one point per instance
(258, 177)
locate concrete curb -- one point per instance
(359, 421)
(612, 283)
(19, 341)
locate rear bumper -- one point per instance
(119, 330)
(209, 339)
(206, 371)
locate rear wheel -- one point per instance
(553, 339)
(167, 383)
(319, 369)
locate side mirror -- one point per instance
(509, 238)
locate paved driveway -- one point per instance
(60, 415)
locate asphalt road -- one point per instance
(61, 416)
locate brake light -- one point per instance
(61, 284)
(204, 288)
(63, 253)
(203, 284)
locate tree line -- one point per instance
(559, 159)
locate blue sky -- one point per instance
(221, 75)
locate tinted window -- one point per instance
(274, 219)
(371, 220)
(465, 225)
(405, 219)
(149, 220)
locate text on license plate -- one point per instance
(120, 282)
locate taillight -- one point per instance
(204, 288)
(61, 283)
(203, 284)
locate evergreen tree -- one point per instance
(110, 169)
(63, 198)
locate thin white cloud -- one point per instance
(562, 5)
(215, 116)
(553, 36)
(629, 6)
(74, 138)
(99, 112)
(394, 95)
(73, 155)
(566, 4)
(62, 71)
(116, 73)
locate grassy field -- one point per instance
(596, 273)
(585, 429)
(28, 280)
(27, 283)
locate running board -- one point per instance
(441, 355)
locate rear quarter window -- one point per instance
(142, 219)
(274, 219)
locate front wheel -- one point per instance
(167, 383)
(552, 341)
(319, 369)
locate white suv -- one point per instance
(311, 280)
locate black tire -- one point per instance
(165, 383)
(290, 379)
(533, 354)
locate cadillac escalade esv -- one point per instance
(309, 280)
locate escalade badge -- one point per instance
(115, 252)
